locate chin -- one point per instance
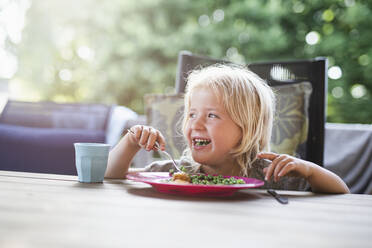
(200, 160)
(197, 159)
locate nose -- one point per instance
(198, 123)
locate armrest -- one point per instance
(348, 149)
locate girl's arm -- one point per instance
(320, 179)
(123, 153)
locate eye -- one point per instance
(192, 115)
(211, 115)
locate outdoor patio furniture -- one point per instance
(348, 153)
(39, 136)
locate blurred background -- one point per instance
(114, 52)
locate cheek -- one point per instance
(238, 138)
(233, 139)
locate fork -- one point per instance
(279, 198)
(157, 146)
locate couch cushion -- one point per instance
(42, 150)
(56, 115)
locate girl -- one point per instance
(227, 124)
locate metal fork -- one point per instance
(157, 146)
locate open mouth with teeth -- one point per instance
(201, 142)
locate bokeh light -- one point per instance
(218, 15)
(85, 53)
(231, 51)
(312, 38)
(337, 92)
(327, 29)
(298, 7)
(328, 15)
(233, 55)
(358, 90)
(363, 60)
(335, 72)
(204, 20)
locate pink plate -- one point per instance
(158, 181)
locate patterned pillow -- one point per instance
(164, 112)
(291, 120)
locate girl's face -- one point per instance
(211, 133)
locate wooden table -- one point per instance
(43, 210)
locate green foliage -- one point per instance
(135, 45)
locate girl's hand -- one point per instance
(145, 137)
(282, 164)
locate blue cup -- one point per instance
(91, 161)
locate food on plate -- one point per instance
(214, 180)
(186, 178)
(181, 177)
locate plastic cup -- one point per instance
(91, 161)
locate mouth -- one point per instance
(200, 142)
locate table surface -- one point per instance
(44, 210)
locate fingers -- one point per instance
(281, 165)
(136, 131)
(291, 166)
(148, 137)
(161, 141)
(268, 155)
(273, 164)
(152, 139)
(145, 137)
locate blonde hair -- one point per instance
(248, 100)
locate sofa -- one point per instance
(39, 136)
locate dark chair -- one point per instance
(280, 73)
